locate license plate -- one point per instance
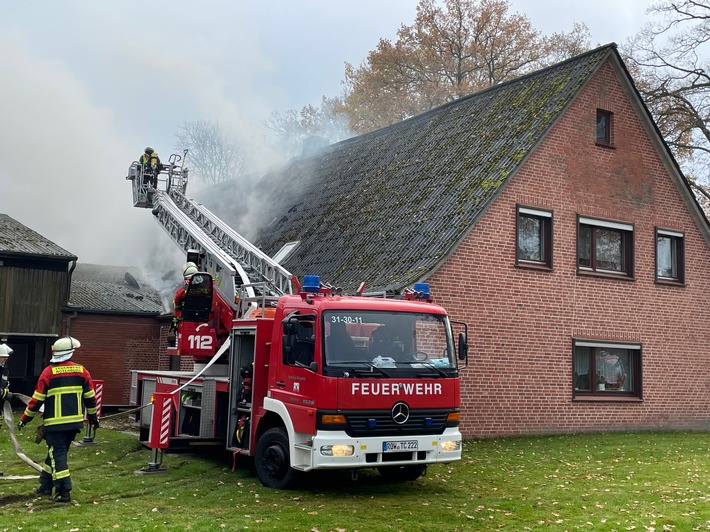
(398, 446)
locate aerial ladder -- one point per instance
(245, 279)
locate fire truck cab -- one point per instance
(330, 391)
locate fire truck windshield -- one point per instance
(388, 340)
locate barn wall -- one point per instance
(31, 297)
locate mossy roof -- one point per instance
(388, 207)
(18, 240)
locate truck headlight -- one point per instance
(337, 450)
(448, 446)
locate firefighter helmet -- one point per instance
(149, 150)
(187, 272)
(63, 349)
(5, 350)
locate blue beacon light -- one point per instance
(311, 283)
(422, 288)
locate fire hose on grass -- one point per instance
(10, 424)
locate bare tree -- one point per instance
(292, 128)
(670, 62)
(213, 157)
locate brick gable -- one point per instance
(523, 321)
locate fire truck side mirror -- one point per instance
(463, 347)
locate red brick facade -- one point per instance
(523, 321)
(113, 345)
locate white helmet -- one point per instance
(187, 272)
(63, 349)
(5, 350)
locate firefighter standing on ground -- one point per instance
(5, 394)
(62, 387)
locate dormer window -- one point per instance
(285, 251)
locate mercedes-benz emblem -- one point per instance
(400, 413)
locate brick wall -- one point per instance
(522, 321)
(112, 345)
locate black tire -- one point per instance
(401, 473)
(273, 460)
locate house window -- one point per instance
(604, 127)
(605, 368)
(605, 247)
(670, 264)
(534, 237)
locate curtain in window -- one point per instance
(609, 250)
(530, 238)
(581, 368)
(584, 246)
(664, 252)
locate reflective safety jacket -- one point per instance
(63, 388)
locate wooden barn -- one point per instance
(35, 277)
(549, 214)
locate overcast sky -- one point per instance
(86, 85)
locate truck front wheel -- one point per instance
(273, 461)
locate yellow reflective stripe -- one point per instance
(57, 394)
(62, 420)
(89, 394)
(39, 396)
(61, 474)
(29, 413)
(52, 463)
(91, 410)
(65, 389)
(46, 469)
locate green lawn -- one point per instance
(620, 481)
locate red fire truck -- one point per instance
(300, 378)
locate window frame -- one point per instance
(546, 218)
(626, 230)
(594, 393)
(285, 252)
(608, 139)
(678, 239)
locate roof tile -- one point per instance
(389, 206)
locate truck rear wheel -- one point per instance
(273, 461)
(402, 473)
